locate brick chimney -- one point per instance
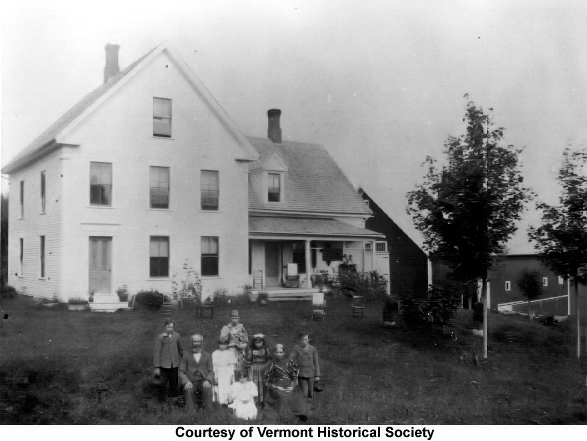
(111, 69)
(274, 131)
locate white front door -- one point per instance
(101, 264)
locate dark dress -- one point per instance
(257, 360)
(282, 401)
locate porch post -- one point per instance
(308, 265)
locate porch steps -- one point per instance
(107, 303)
(284, 294)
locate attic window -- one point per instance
(162, 117)
(273, 187)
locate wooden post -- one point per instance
(308, 264)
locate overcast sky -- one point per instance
(379, 83)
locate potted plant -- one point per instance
(122, 293)
(91, 295)
(77, 304)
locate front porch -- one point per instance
(278, 294)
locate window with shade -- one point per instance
(42, 256)
(210, 189)
(43, 191)
(209, 256)
(159, 256)
(100, 183)
(162, 117)
(159, 187)
(274, 187)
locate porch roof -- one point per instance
(303, 228)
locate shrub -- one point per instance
(151, 300)
(478, 312)
(262, 298)
(436, 309)
(77, 301)
(9, 292)
(371, 285)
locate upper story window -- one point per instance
(43, 192)
(274, 187)
(21, 198)
(162, 117)
(159, 256)
(545, 281)
(561, 280)
(100, 183)
(159, 187)
(210, 190)
(508, 285)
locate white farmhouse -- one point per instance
(148, 173)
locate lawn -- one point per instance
(53, 361)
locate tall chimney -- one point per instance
(111, 69)
(274, 131)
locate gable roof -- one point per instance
(51, 136)
(314, 182)
(397, 216)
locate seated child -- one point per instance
(242, 395)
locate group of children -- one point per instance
(240, 369)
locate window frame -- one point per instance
(22, 198)
(508, 285)
(381, 242)
(561, 280)
(545, 281)
(42, 243)
(209, 190)
(21, 256)
(157, 187)
(209, 257)
(162, 117)
(270, 176)
(43, 191)
(368, 247)
(155, 267)
(102, 185)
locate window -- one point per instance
(368, 247)
(159, 256)
(299, 256)
(545, 281)
(100, 183)
(508, 285)
(162, 117)
(42, 192)
(381, 247)
(274, 187)
(21, 198)
(159, 178)
(20, 256)
(210, 190)
(209, 256)
(561, 280)
(42, 256)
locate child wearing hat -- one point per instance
(242, 395)
(238, 338)
(258, 355)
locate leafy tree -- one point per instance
(562, 237)
(467, 210)
(529, 284)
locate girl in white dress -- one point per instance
(223, 362)
(242, 395)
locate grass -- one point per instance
(53, 361)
